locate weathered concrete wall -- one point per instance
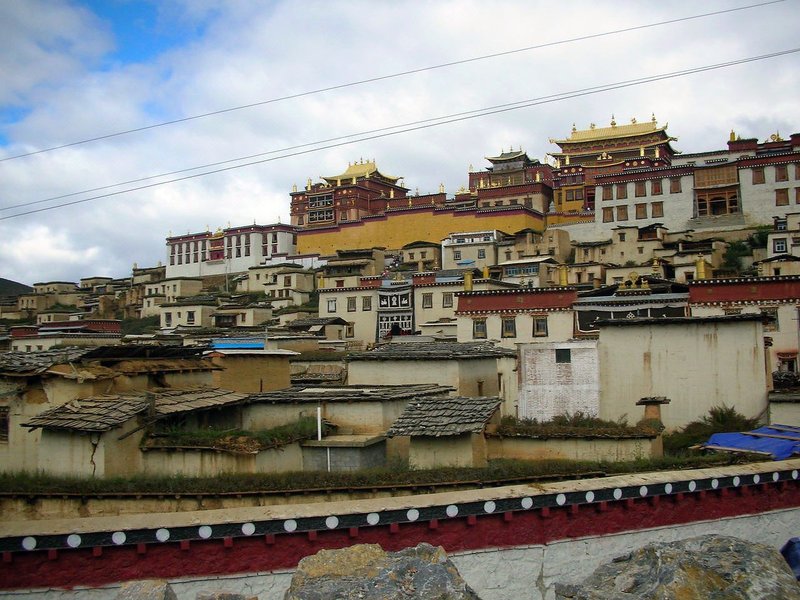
(357, 417)
(784, 413)
(343, 458)
(397, 372)
(450, 451)
(252, 373)
(549, 388)
(207, 463)
(696, 365)
(570, 448)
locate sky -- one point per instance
(77, 70)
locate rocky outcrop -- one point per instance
(367, 572)
(146, 589)
(710, 567)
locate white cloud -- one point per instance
(249, 52)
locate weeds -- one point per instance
(720, 419)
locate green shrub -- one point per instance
(720, 419)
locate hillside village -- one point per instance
(617, 279)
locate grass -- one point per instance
(574, 425)
(719, 419)
(236, 439)
(393, 475)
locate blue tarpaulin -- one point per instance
(791, 552)
(778, 441)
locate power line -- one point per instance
(393, 76)
(419, 125)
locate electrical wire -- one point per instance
(416, 127)
(393, 76)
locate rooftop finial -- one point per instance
(613, 122)
(653, 118)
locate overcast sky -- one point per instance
(73, 70)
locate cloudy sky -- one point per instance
(75, 70)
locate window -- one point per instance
(622, 213)
(781, 173)
(563, 355)
(481, 253)
(641, 211)
(758, 175)
(456, 254)
(340, 283)
(608, 215)
(366, 303)
(410, 256)
(168, 319)
(771, 317)
(655, 187)
(190, 317)
(797, 171)
(657, 209)
(332, 305)
(3, 423)
(479, 329)
(287, 281)
(540, 326)
(622, 191)
(350, 330)
(797, 195)
(447, 300)
(779, 245)
(427, 300)
(675, 185)
(351, 304)
(781, 197)
(621, 237)
(639, 189)
(608, 192)
(509, 328)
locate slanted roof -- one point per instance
(359, 171)
(35, 363)
(102, 413)
(315, 321)
(177, 401)
(438, 417)
(780, 442)
(98, 414)
(433, 351)
(350, 393)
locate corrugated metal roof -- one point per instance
(438, 417)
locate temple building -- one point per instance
(363, 207)
(587, 153)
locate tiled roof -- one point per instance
(98, 414)
(439, 417)
(311, 322)
(101, 413)
(350, 393)
(432, 351)
(33, 363)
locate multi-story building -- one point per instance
(473, 249)
(378, 307)
(363, 207)
(231, 250)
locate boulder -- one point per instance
(367, 572)
(146, 589)
(710, 567)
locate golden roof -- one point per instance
(359, 170)
(614, 131)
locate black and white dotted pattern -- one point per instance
(497, 506)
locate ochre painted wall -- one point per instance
(401, 228)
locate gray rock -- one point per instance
(146, 589)
(709, 567)
(367, 572)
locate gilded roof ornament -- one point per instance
(613, 121)
(592, 125)
(775, 137)
(633, 120)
